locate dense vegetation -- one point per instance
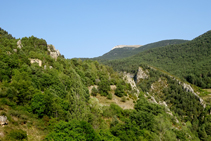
(190, 61)
(54, 98)
(186, 105)
(119, 53)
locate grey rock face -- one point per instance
(141, 75)
(129, 79)
(53, 52)
(188, 88)
(3, 120)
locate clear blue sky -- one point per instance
(90, 28)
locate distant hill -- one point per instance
(190, 61)
(126, 51)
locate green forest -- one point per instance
(189, 61)
(120, 53)
(51, 100)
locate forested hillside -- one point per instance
(190, 61)
(119, 53)
(46, 97)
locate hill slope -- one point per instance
(46, 97)
(119, 53)
(190, 61)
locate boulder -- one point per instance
(3, 120)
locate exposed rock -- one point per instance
(129, 79)
(53, 52)
(19, 44)
(3, 120)
(153, 99)
(141, 75)
(168, 111)
(113, 87)
(36, 61)
(188, 88)
(122, 46)
(54, 55)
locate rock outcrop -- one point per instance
(53, 52)
(36, 61)
(129, 79)
(188, 88)
(3, 120)
(19, 44)
(141, 74)
(122, 46)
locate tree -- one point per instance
(119, 90)
(73, 130)
(104, 87)
(94, 91)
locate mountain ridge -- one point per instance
(119, 53)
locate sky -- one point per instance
(90, 28)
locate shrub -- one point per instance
(123, 99)
(109, 96)
(17, 134)
(94, 91)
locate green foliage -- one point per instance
(59, 98)
(109, 96)
(94, 91)
(104, 87)
(105, 135)
(17, 135)
(189, 61)
(123, 99)
(119, 90)
(119, 53)
(73, 130)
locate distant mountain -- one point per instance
(190, 61)
(123, 51)
(126, 46)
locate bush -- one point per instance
(119, 90)
(109, 96)
(123, 99)
(17, 134)
(94, 91)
